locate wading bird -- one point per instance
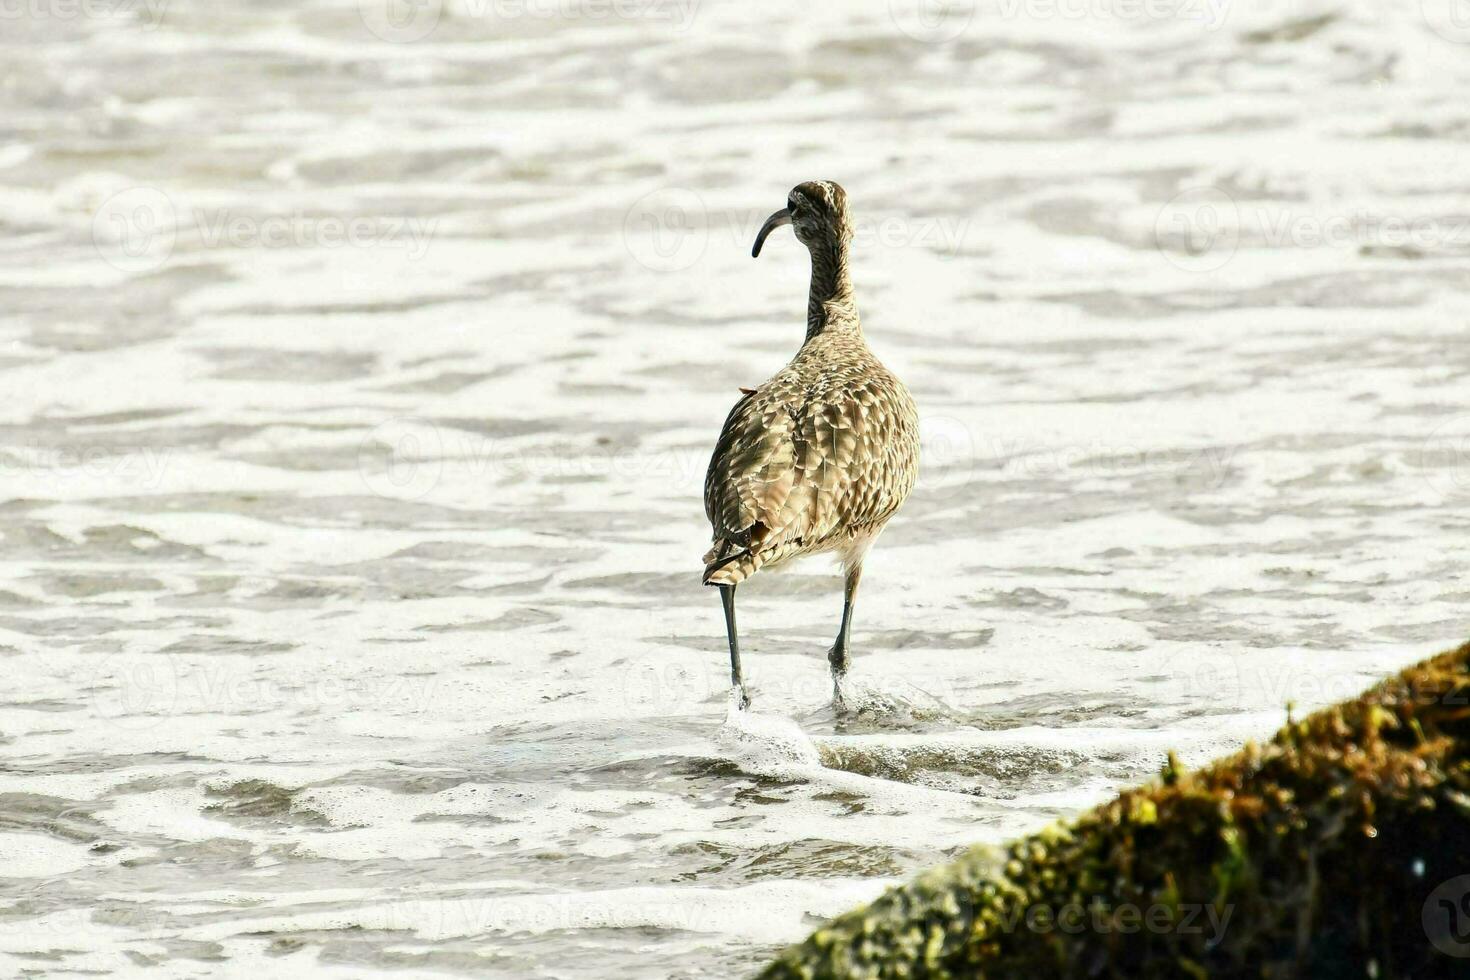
(819, 457)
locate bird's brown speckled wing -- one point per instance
(858, 451)
(753, 469)
(870, 452)
(809, 456)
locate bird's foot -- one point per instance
(739, 697)
(837, 660)
(840, 700)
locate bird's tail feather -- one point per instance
(728, 563)
(731, 569)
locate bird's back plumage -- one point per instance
(816, 459)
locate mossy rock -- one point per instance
(1339, 849)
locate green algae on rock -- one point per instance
(1339, 849)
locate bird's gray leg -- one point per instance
(837, 657)
(727, 599)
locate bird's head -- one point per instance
(817, 212)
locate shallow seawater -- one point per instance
(358, 393)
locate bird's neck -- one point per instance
(830, 305)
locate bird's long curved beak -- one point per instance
(781, 217)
